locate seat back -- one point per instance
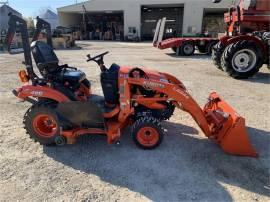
(109, 83)
(44, 56)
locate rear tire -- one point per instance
(242, 60)
(147, 132)
(187, 48)
(41, 123)
(217, 51)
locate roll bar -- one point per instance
(17, 23)
(41, 25)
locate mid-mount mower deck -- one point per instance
(64, 107)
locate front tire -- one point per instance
(242, 60)
(147, 132)
(41, 123)
(217, 51)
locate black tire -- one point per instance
(140, 129)
(202, 49)
(239, 54)
(164, 114)
(32, 113)
(217, 51)
(187, 48)
(209, 47)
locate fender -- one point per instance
(27, 91)
(227, 40)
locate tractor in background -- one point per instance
(245, 47)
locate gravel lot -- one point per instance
(186, 167)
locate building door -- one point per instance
(150, 16)
(213, 22)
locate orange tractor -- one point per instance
(64, 106)
(245, 48)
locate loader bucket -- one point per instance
(228, 127)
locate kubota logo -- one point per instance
(150, 84)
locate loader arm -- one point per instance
(219, 122)
(181, 96)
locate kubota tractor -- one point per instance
(245, 48)
(64, 106)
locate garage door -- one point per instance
(213, 22)
(150, 16)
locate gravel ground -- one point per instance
(186, 167)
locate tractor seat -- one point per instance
(109, 84)
(47, 63)
(44, 57)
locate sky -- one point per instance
(32, 8)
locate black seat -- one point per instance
(44, 57)
(109, 83)
(47, 63)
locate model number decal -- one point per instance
(37, 93)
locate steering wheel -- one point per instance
(96, 58)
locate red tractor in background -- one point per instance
(245, 48)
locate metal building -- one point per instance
(50, 17)
(184, 17)
(4, 18)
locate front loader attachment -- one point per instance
(218, 120)
(227, 127)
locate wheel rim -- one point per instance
(45, 125)
(147, 136)
(188, 49)
(244, 60)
